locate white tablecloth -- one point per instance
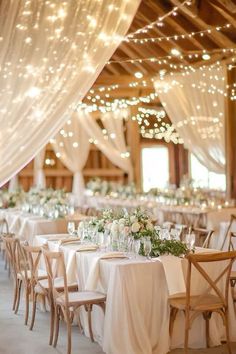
(26, 226)
(137, 311)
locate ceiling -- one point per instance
(204, 16)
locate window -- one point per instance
(155, 167)
(203, 178)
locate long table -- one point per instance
(137, 311)
(27, 226)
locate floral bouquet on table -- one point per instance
(11, 199)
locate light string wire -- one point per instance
(178, 36)
(159, 20)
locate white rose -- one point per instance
(122, 221)
(135, 227)
(133, 219)
(121, 227)
(149, 226)
(108, 226)
(114, 227)
(81, 225)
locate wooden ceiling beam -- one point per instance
(219, 38)
(167, 47)
(108, 80)
(229, 18)
(180, 27)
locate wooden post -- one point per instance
(230, 138)
(133, 140)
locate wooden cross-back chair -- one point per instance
(40, 284)
(11, 246)
(213, 299)
(4, 251)
(227, 232)
(203, 236)
(4, 231)
(67, 302)
(35, 274)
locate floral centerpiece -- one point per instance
(46, 202)
(137, 225)
(11, 199)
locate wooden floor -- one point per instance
(15, 338)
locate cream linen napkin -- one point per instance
(94, 272)
(84, 248)
(69, 240)
(174, 274)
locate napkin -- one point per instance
(87, 248)
(94, 272)
(69, 240)
(174, 274)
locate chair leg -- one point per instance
(19, 284)
(89, 309)
(52, 317)
(207, 333)
(15, 296)
(57, 320)
(27, 293)
(9, 270)
(227, 333)
(186, 334)
(68, 325)
(35, 295)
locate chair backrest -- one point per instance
(203, 236)
(12, 245)
(55, 265)
(232, 236)
(33, 255)
(232, 220)
(214, 286)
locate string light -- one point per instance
(164, 59)
(177, 37)
(107, 106)
(159, 21)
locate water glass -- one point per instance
(71, 227)
(136, 247)
(190, 240)
(147, 247)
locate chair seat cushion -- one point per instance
(42, 274)
(82, 298)
(43, 285)
(207, 302)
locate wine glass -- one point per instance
(147, 247)
(190, 240)
(71, 227)
(136, 247)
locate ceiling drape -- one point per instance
(39, 174)
(72, 146)
(194, 103)
(112, 143)
(51, 52)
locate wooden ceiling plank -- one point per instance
(167, 48)
(230, 19)
(181, 26)
(219, 38)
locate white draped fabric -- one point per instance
(114, 147)
(51, 52)
(13, 184)
(39, 175)
(195, 105)
(72, 146)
